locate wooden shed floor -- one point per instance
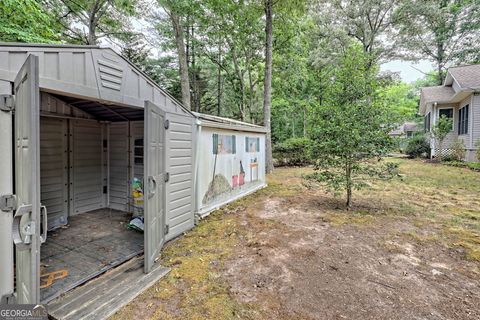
(93, 243)
(102, 297)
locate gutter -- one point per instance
(220, 125)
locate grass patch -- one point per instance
(340, 219)
(465, 238)
(195, 259)
(439, 202)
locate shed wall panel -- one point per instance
(118, 147)
(86, 165)
(179, 164)
(54, 170)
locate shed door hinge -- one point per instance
(167, 229)
(7, 102)
(166, 124)
(167, 176)
(8, 299)
(8, 202)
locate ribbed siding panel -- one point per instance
(179, 163)
(118, 170)
(53, 170)
(86, 163)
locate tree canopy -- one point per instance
(27, 21)
(214, 55)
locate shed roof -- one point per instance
(88, 73)
(468, 76)
(226, 123)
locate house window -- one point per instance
(447, 113)
(427, 122)
(463, 120)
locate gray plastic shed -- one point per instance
(90, 140)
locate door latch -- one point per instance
(8, 202)
(7, 102)
(22, 232)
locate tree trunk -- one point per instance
(267, 94)
(304, 122)
(348, 176)
(92, 25)
(219, 80)
(182, 58)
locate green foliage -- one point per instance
(26, 21)
(350, 130)
(441, 129)
(402, 99)
(292, 152)
(418, 146)
(475, 166)
(477, 152)
(88, 21)
(444, 31)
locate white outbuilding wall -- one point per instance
(230, 164)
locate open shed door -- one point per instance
(26, 224)
(154, 183)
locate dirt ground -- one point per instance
(410, 249)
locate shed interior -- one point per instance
(90, 153)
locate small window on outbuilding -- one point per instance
(224, 144)
(252, 144)
(463, 120)
(138, 151)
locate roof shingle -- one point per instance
(437, 94)
(467, 76)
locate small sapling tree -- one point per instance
(440, 131)
(349, 131)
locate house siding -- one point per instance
(475, 125)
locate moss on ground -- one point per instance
(440, 204)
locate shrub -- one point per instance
(458, 150)
(475, 166)
(293, 152)
(418, 146)
(477, 152)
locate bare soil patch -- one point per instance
(408, 250)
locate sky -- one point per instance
(409, 71)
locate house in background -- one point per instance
(405, 130)
(458, 98)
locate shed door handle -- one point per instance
(43, 213)
(22, 233)
(152, 186)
